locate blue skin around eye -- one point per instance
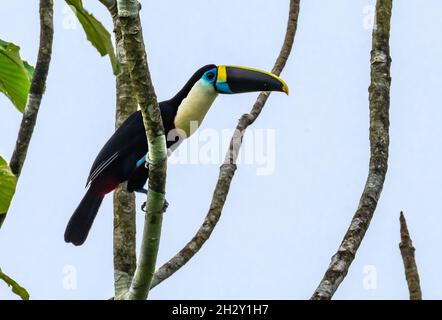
(213, 71)
(222, 87)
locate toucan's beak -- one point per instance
(234, 79)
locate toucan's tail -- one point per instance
(82, 219)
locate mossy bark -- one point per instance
(124, 240)
(135, 53)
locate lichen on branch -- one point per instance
(124, 240)
(379, 104)
(135, 54)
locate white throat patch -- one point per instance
(194, 107)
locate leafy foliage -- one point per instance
(96, 33)
(16, 288)
(15, 74)
(7, 186)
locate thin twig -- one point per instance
(379, 96)
(128, 14)
(228, 169)
(124, 202)
(16, 288)
(407, 252)
(38, 85)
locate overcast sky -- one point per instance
(279, 229)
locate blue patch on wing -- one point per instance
(141, 161)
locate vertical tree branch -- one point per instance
(36, 91)
(379, 97)
(128, 13)
(124, 202)
(227, 170)
(407, 252)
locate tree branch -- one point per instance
(228, 169)
(111, 5)
(36, 91)
(16, 288)
(128, 13)
(379, 97)
(407, 252)
(124, 202)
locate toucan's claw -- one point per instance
(165, 206)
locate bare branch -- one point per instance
(124, 202)
(407, 252)
(38, 85)
(228, 169)
(135, 53)
(379, 141)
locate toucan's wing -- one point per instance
(128, 141)
(100, 168)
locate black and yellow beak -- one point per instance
(235, 79)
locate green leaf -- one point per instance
(15, 75)
(96, 33)
(7, 186)
(16, 288)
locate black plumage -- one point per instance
(117, 162)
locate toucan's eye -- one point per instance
(210, 75)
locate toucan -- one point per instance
(123, 157)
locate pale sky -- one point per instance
(278, 231)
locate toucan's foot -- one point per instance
(144, 191)
(165, 206)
